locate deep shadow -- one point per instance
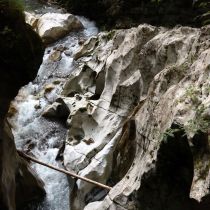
(168, 186)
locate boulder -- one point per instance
(31, 19)
(53, 26)
(56, 110)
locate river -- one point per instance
(35, 134)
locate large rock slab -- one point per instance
(53, 26)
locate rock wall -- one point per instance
(21, 54)
(139, 119)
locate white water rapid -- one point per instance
(37, 135)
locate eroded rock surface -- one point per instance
(139, 116)
(169, 129)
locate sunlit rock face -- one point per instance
(139, 114)
(52, 26)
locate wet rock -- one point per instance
(37, 106)
(55, 56)
(49, 88)
(138, 115)
(68, 53)
(60, 152)
(60, 48)
(29, 146)
(81, 41)
(89, 141)
(57, 109)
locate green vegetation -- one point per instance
(199, 122)
(126, 14)
(129, 13)
(12, 5)
(191, 94)
(170, 132)
(203, 7)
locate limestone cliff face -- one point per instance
(20, 56)
(139, 119)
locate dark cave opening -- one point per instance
(168, 186)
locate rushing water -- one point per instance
(35, 134)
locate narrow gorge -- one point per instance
(127, 107)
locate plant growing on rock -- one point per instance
(170, 132)
(199, 123)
